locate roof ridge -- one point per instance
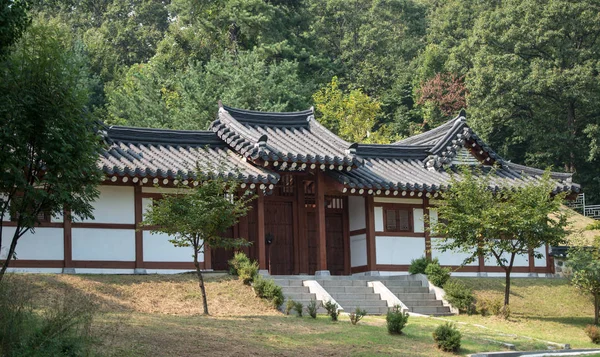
(162, 136)
(254, 117)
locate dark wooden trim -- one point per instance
(481, 265)
(139, 234)
(295, 229)
(281, 198)
(67, 239)
(358, 231)
(302, 235)
(359, 269)
(260, 222)
(370, 228)
(172, 265)
(207, 257)
(392, 267)
(103, 264)
(26, 263)
(152, 195)
(38, 225)
(426, 228)
(400, 234)
(406, 206)
(320, 221)
(346, 223)
(244, 231)
(531, 261)
(102, 225)
(498, 269)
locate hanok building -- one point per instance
(324, 205)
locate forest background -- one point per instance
(527, 71)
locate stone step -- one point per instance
(416, 296)
(411, 303)
(288, 282)
(430, 310)
(371, 310)
(407, 290)
(346, 296)
(407, 283)
(300, 296)
(354, 303)
(295, 289)
(336, 283)
(349, 289)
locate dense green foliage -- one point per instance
(396, 320)
(243, 267)
(585, 263)
(527, 70)
(311, 308)
(437, 275)
(460, 296)
(418, 266)
(267, 289)
(447, 337)
(499, 224)
(332, 310)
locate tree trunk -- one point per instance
(11, 252)
(596, 307)
(507, 288)
(201, 282)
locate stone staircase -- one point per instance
(351, 292)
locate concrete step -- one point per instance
(406, 283)
(355, 303)
(337, 283)
(371, 310)
(416, 296)
(414, 303)
(349, 289)
(294, 289)
(407, 290)
(346, 296)
(300, 296)
(430, 310)
(288, 282)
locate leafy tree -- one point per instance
(499, 224)
(585, 263)
(13, 21)
(442, 97)
(197, 217)
(351, 116)
(48, 144)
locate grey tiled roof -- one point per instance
(284, 137)
(172, 154)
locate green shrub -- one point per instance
(61, 327)
(593, 226)
(248, 272)
(289, 305)
(460, 296)
(418, 266)
(239, 259)
(447, 337)
(437, 275)
(396, 320)
(299, 308)
(593, 333)
(332, 310)
(492, 306)
(267, 289)
(312, 308)
(357, 315)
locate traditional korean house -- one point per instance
(324, 206)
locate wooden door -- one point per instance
(311, 236)
(279, 223)
(334, 228)
(220, 257)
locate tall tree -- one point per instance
(499, 224)
(13, 21)
(48, 145)
(197, 217)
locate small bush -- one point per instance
(396, 320)
(504, 312)
(593, 226)
(437, 275)
(357, 315)
(593, 333)
(332, 310)
(248, 272)
(460, 296)
(267, 289)
(311, 308)
(299, 308)
(289, 305)
(418, 266)
(447, 337)
(239, 259)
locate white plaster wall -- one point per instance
(520, 260)
(159, 189)
(114, 205)
(146, 203)
(103, 244)
(157, 248)
(57, 218)
(418, 220)
(398, 250)
(541, 262)
(358, 250)
(448, 257)
(356, 212)
(378, 219)
(433, 219)
(42, 244)
(412, 201)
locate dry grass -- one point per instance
(579, 235)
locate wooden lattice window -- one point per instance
(398, 220)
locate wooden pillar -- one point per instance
(139, 233)
(207, 257)
(67, 240)
(531, 261)
(426, 222)
(243, 232)
(346, 228)
(302, 238)
(481, 264)
(260, 223)
(320, 221)
(371, 254)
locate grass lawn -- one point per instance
(160, 316)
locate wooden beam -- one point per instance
(260, 222)
(139, 234)
(67, 239)
(426, 225)
(371, 254)
(302, 236)
(346, 228)
(320, 221)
